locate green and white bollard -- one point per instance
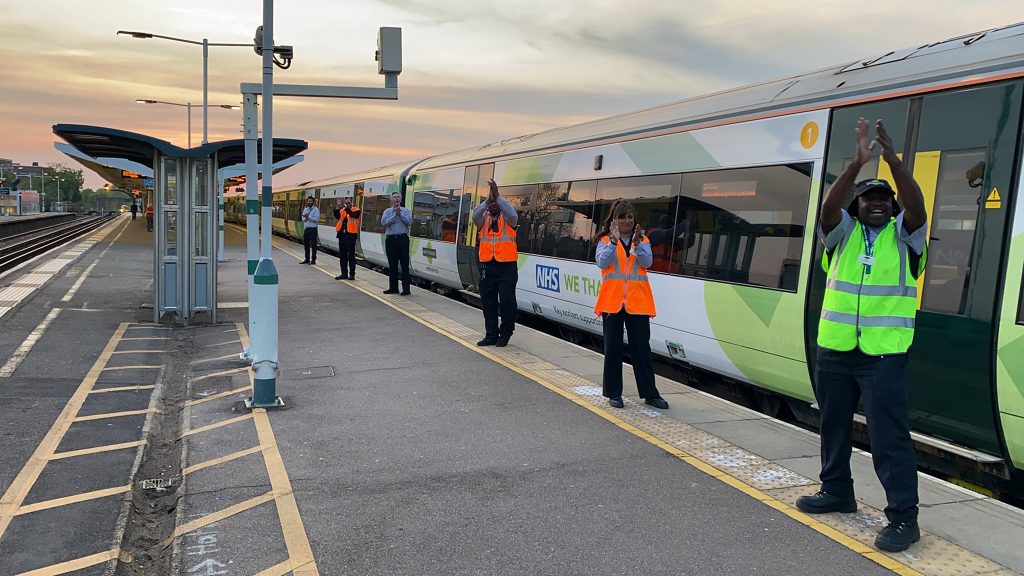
(263, 311)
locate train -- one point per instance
(738, 177)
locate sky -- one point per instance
(474, 71)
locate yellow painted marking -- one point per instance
(299, 551)
(140, 351)
(57, 502)
(124, 388)
(708, 469)
(136, 367)
(218, 516)
(146, 338)
(96, 450)
(80, 563)
(216, 425)
(214, 462)
(112, 415)
(809, 135)
(221, 373)
(219, 395)
(279, 570)
(224, 357)
(26, 478)
(219, 344)
(148, 327)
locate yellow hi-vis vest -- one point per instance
(499, 246)
(871, 307)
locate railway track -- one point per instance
(23, 247)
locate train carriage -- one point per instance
(728, 187)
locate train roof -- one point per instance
(387, 170)
(988, 54)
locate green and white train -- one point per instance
(739, 176)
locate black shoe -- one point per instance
(390, 291)
(616, 402)
(501, 343)
(898, 536)
(405, 292)
(341, 277)
(304, 262)
(657, 402)
(313, 263)
(822, 503)
(487, 342)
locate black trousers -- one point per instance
(498, 296)
(843, 378)
(347, 254)
(397, 248)
(639, 328)
(309, 244)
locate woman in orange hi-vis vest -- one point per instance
(626, 302)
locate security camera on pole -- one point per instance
(263, 288)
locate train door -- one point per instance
(474, 188)
(962, 146)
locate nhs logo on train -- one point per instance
(547, 278)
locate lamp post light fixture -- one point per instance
(188, 107)
(206, 56)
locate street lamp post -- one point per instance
(59, 180)
(206, 55)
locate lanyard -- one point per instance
(869, 249)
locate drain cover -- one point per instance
(156, 484)
(308, 373)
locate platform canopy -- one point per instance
(125, 159)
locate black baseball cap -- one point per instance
(870, 185)
(865, 186)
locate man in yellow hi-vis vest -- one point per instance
(874, 253)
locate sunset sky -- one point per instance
(475, 71)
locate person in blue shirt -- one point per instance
(396, 221)
(310, 220)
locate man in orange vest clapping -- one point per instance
(348, 232)
(499, 270)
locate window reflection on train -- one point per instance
(744, 226)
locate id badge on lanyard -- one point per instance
(868, 257)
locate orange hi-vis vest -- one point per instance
(499, 246)
(353, 222)
(625, 283)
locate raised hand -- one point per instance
(613, 233)
(883, 139)
(638, 234)
(494, 190)
(863, 154)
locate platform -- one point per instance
(403, 448)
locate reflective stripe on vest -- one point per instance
(874, 312)
(500, 245)
(625, 282)
(352, 227)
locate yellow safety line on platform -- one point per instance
(80, 563)
(221, 373)
(136, 367)
(216, 425)
(123, 388)
(75, 499)
(96, 450)
(299, 551)
(224, 357)
(279, 570)
(217, 461)
(26, 478)
(106, 415)
(218, 516)
(219, 395)
(725, 477)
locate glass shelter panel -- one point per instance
(201, 186)
(170, 181)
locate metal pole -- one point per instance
(220, 218)
(252, 206)
(42, 190)
(188, 107)
(265, 281)
(206, 57)
(58, 194)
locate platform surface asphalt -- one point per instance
(402, 448)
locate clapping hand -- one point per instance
(613, 234)
(493, 197)
(638, 234)
(883, 139)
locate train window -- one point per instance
(434, 215)
(327, 211)
(521, 198)
(565, 219)
(373, 208)
(277, 207)
(964, 144)
(744, 225)
(655, 199)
